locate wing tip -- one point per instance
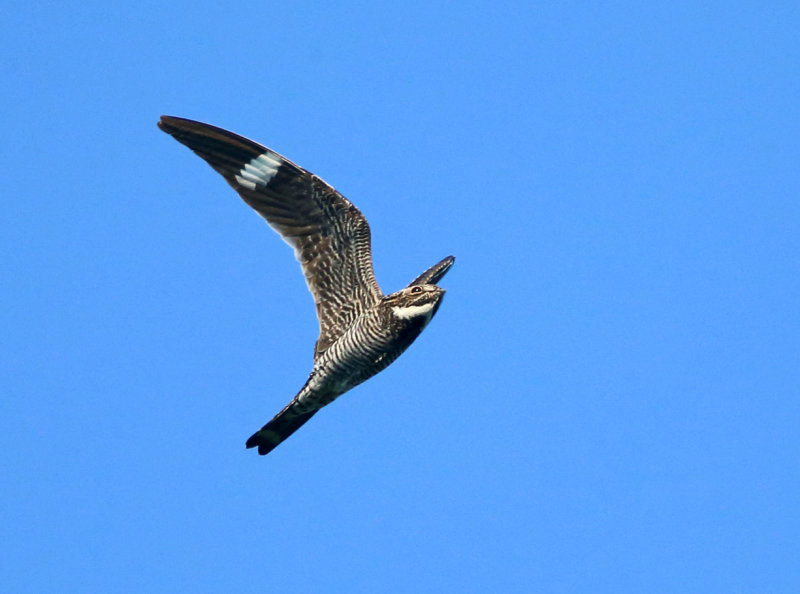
(168, 123)
(435, 273)
(175, 126)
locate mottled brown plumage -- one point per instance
(361, 330)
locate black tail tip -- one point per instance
(264, 446)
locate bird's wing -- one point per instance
(435, 273)
(330, 236)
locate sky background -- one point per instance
(607, 400)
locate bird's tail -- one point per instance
(279, 428)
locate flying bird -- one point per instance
(361, 330)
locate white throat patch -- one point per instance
(413, 311)
(259, 171)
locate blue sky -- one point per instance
(607, 401)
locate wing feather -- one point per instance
(329, 235)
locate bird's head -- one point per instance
(415, 302)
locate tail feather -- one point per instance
(278, 429)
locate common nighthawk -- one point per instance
(361, 330)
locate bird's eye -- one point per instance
(416, 290)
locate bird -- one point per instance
(361, 330)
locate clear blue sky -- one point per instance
(608, 399)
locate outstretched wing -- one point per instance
(330, 236)
(435, 273)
